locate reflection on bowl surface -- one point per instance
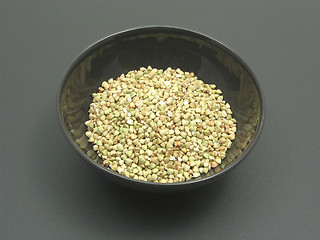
(161, 47)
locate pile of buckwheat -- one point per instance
(160, 126)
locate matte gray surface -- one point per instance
(48, 192)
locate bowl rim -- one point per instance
(196, 34)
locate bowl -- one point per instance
(161, 47)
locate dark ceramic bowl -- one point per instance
(161, 47)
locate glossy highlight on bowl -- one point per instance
(161, 47)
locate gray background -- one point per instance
(48, 192)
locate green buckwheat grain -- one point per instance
(160, 126)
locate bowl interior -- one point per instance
(161, 47)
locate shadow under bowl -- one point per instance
(161, 47)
